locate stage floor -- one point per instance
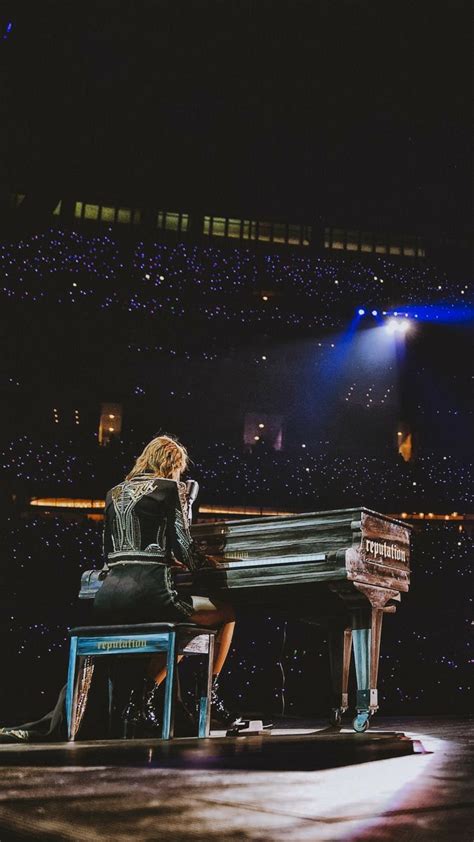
(405, 779)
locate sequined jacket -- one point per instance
(146, 520)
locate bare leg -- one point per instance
(206, 613)
(223, 642)
(157, 667)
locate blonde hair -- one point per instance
(162, 456)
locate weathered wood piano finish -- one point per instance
(342, 568)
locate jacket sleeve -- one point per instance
(179, 540)
(107, 543)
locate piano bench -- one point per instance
(88, 642)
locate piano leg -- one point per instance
(366, 634)
(340, 647)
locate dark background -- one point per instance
(352, 111)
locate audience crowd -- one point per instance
(92, 272)
(308, 478)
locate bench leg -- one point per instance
(71, 689)
(170, 689)
(80, 672)
(204, 701)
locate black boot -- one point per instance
(127, 682)
(221, 718)
(185, 724)
(131, 718)
(151, 709)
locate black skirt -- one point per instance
(140, 592)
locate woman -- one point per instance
(146, 541)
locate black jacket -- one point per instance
(146, 519)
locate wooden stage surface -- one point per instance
(404, 780)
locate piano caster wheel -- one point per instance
(361, 723)
(335, 717)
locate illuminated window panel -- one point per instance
(395, 250)
(246, 229)
(218, 226)
(294, 235)
(124, 215)
(352, 241)
(279, 233)
(107, 214)
(207, 225)
(137, 217)
(409, 251)
(421, 252)
(78, 210)
(234, 228)
(380, 246)
(307, 235)
(366, 241)
(264, 231)
(160, 220)
(253, 230)
(110, 424)
(184, 221)
(338, 237)
(57, 209)
(172, 221)
(91, 211)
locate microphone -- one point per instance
(192, 490)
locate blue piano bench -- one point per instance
(89, 642)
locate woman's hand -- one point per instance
(203, 560)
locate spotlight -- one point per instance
(361, 312)
(398, 325)
(375, 312)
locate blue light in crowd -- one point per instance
(446, 313)
(361, 312)
(375, 312)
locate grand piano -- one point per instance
(343, 569)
